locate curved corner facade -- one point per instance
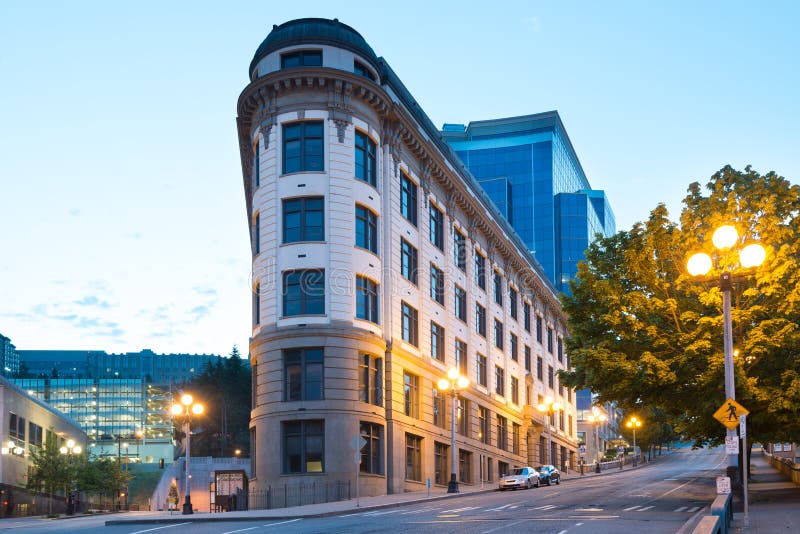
(378, 264)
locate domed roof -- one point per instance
(314, 31)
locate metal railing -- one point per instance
(287, 495)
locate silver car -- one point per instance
(520, 477)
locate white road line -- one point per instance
(578, 524)
(282, 522)
(512, 507)
(631, 508)
(240, 530)
(498, 508)
(693, 509)
(644, 509)
(373, 514)
(503, 526)
(459, 509)
(419, 511)
(563, 532)
(681, 509)
(159, 528)
(546, 507)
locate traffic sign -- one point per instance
(731, 445)
(723, 485)
(729, 413)
(742, 425)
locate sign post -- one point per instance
(357, 443)
(746, 464)
(582, 453)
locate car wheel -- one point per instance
(537, 483)
(558, 481)
(549, 482)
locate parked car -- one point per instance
(548, 474)
(520, 477)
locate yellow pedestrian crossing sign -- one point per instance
(728, 414)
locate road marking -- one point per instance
(546, 507)
(563, 532)
(693, 509)
(240, 530)
(159, 528)
(588, 509)
(373, 514)
(460, 509)
(672, 479)
(578, 524)
(502, 526)
(498, 508)
(631, 508)
(644, 509)
(681, 509)
(282, 522)
(420, 511)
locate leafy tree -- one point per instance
(646, 334)
(51, 472)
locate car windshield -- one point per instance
(542, 468)
(516, 472)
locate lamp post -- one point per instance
(634, 423)
(699, 264)
(549, 407)
(595, 418)
(186, 409)
(453, 383)
(69, 449)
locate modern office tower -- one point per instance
(530, 170)
(378, 265)
(9, 357)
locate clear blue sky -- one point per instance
(122, 215)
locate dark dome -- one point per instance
(314, 31)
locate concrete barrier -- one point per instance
(710, 524)
(722, 508)
(790, 469)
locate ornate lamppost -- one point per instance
(185, 410)
(595, 419)
(70, 449)
(549, 407)
(634, 423)
(452, 384)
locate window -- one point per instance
(411, 394)
(561, 420)
(527, 358)
(502, 468)
(480, 319)
(499, 380)
(366, 299)
(569, 429)
(254, 386)
(35, 434)
(514, 347)
(413, 457)
(480, 270)
(482, 378)
(526, 316)
(370, 380)
(408, 199)
(303, 374)
(302, 58)
(515, 433)
(465, 466)
(440, 455)
(303, 219)
(539, 328)
(461, 357)
(303, 147)
(408, 261)
(437, 342)
(439, 408)
(303, 446)
(512, 302)
(366, 170)
(460, 250)
(257, 234)
(257, 304)
(502, 433)
(498, 334)
(371, 451)
(304, 292)
(437, 227)
(461, 303)
(498, 288)
(362, 70)
(549, 340)
(437, 284)
(257, 164)
(550, 377)
(514, 390)
(366, 229)
(560, 390)
(253, 446)
(539, 368)
(488, 469)
(409, 324)
(560, 349)
(483, 425)
(462, 414)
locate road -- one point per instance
(657, 498)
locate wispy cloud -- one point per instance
(91, 300)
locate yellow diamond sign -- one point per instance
(728, 414)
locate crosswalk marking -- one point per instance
(546, 507)
(632, 508)
(498, 508)
(693, 509)
(681, 509)
(644, 509)
(466, 508)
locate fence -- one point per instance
(288, 495)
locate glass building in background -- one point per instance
(530, 170)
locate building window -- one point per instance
(440, 455)
(526, 316)
(550, 382)
(561, 421)
(437, 227)
(514, 347)
(303, 219)
(411, 394)
(408, 199)
(480, 270)
(413, 458)
(303, 446)
(302, 58)
(460, 250)
(303, 148)
(257, 234)
(366, 299)
(461, 357)
(439, 408)
(461, 303)
(366, 229)
(35, 434)
(502, 468)
(304, 292)
(539, 368)
(254, 386)
(549, 340)
(366, 170)
(303, 374)
(372, 449)
(362, 70)
(480, 319)
(437, 284)
(539, 328)
(408, 261)
(502, 433)
(514, 390)
(462, 414)
(498, 288)
(482, 374)
(465, 466)
(560, 349)
(569, 430)
(409, 323)
(499, 380)
(257, 164)
(253, 454)
(498, 334)
(560, 390)
(483, 425)
(515, 433)
(437, 342)
(527, 358)
(370, 380)
(257, 304)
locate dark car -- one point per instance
(548, 474)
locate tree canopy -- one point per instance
(646, 334)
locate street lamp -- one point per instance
(595, 419)
(549, 407)
(699, 264)
(454, 382)
(185, 410)
(634, 423)
(70, 449)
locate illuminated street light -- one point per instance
(452, 384)
(549, 407)
(185, 410)
(596, 418)
(634, 423)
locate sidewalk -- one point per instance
(774, 500)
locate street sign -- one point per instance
(742, 425)
(729, 413)
(731, 445)
(723, 485)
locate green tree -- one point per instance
(51, 472)
(645, 334)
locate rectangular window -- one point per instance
(498, 288)
(515, 434)
(526, 316)
(569, 429)
(303, 446)
(512, 302)
(502, 433)
(362, 70)
(366, 229)
(303, 219)
(437, 342)
(440, 455)
(436, 227)
(257, 164)
(502, 468)
(560, 349)
(411, 394)
(514, 347)
(498, 334)
(480, 270)
(465, 466)
(35, 434)
(408, 199)
(370, 380)
(437, 284)
(462, 414)
(366, 171)
(304, 292)
(539, 368)
(303, 374)
(550, 377)
(528, 358)
(549, 340)
(366, 299)
(256, 305)
(482, 373)
(461, 357)
(439, 408)
(408, 261)
(514, 390)
(460, 250)
(253, 446)
(480, 319)
(460, 303)
(409, 324)
(413, 458)
(561, 421)
(257, 234)
(303, 147)
(483, 425)
(254, 386)
(302, 58)
(539, 328)
(561, 390)
(371, 452)
(499, 380)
